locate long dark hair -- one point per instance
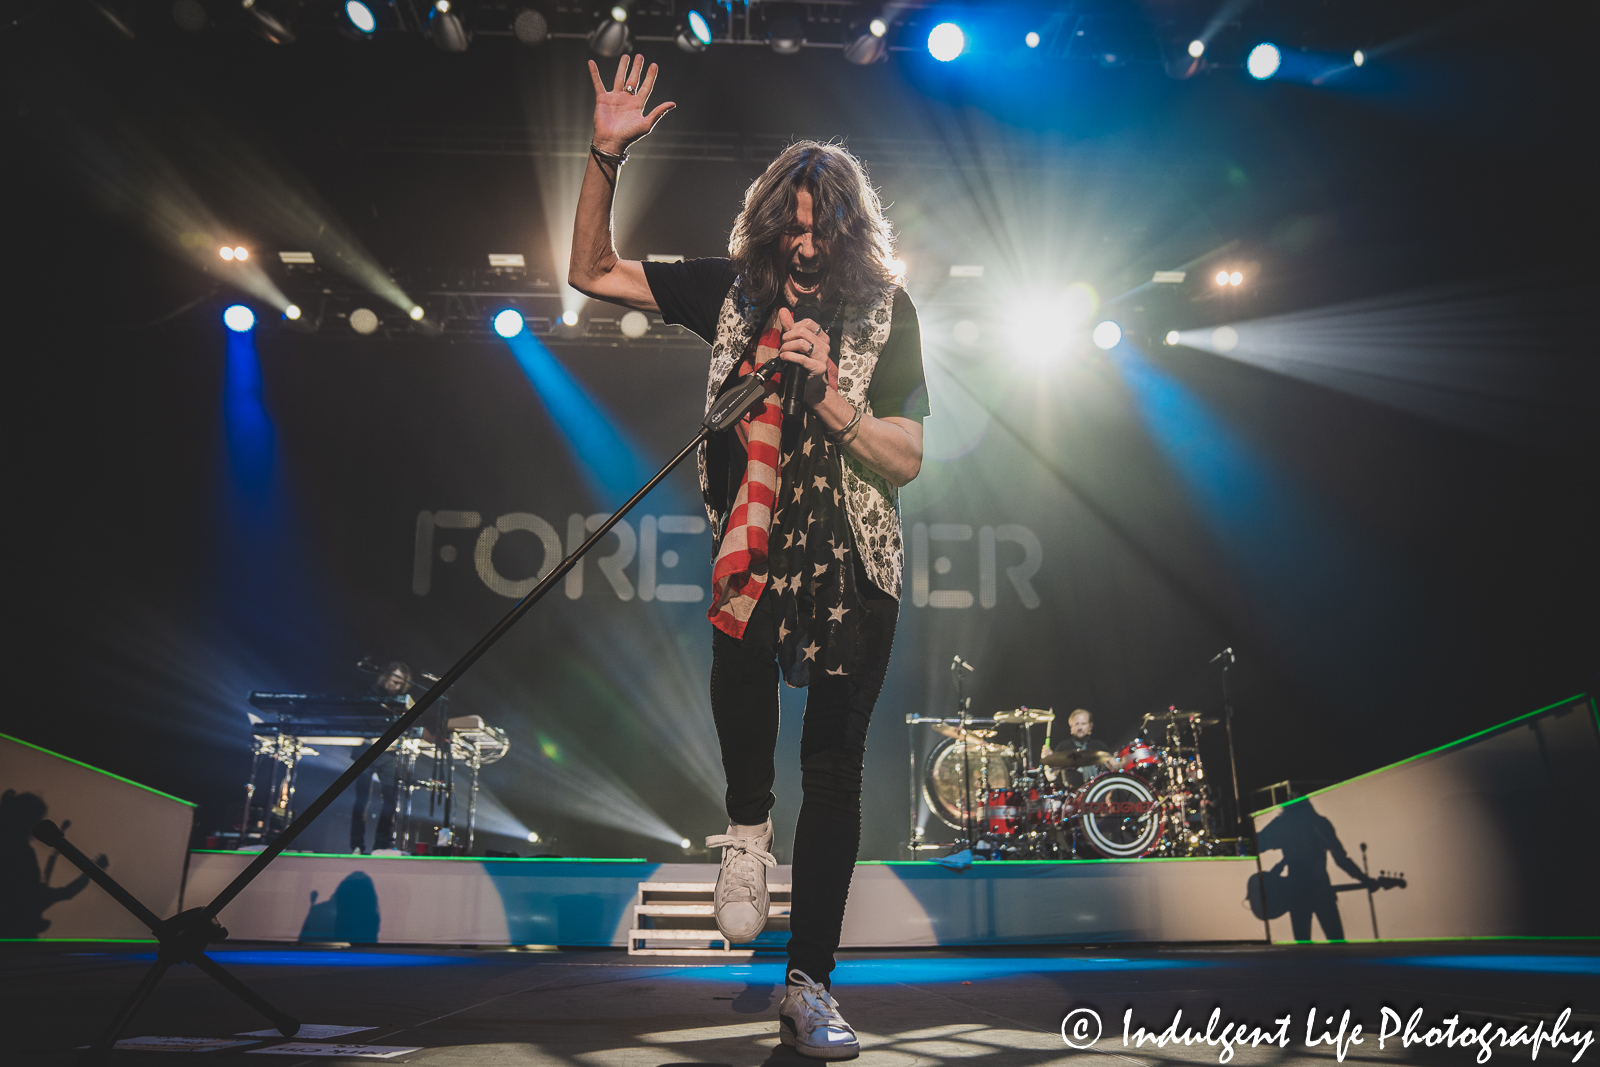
(847, 215)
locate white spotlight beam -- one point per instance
(1488, 359)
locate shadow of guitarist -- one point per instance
(1298, 884)
(26, 893)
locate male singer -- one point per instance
(804, 507)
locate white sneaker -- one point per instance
(809, 1020)
(742, 901)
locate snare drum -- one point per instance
(1139, 755)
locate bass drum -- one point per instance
(985, 766)
(1119, 816)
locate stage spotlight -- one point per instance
(694, 32)
(1222, 277)
(292, 312)
(533, 837)
(946, 42)
(786, 34)
(634, 325)
(363, 321)
(360, 16)
(241, 253)
(611, 38)
(239, 318)
(867, 47)
(190, 15)
(267, 26)
(1107, 335)
(1263, 61)
(685, 843)
(569, 317)
(416, 313)
(225, 252)
(1172, 337)
(1359, 58)
(1197, 48)
(508, 323)
(1032, 39)
(1235, 278)
(531, 27)
(445, 27)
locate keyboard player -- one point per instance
(393, 680)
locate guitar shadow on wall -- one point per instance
(25, 891)
(351, 914)
(1298, 884)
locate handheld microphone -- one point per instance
(794, 375)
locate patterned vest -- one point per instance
(872, 504)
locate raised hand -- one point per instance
(619, 115)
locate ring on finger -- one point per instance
(810, 348)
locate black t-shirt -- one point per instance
(691, 294)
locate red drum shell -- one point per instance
(1139, 753)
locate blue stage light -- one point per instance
(360, 16)
(1107, 335)
(699, 27)
(239, 318)
(508, 323)
(1031, 39)
(946, 42)
(1263, 61)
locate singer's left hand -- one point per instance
(806, 344)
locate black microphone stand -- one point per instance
(185, 937)
(1225, 657)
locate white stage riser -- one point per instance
(411, 900)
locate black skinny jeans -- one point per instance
(744, 702)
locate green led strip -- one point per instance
(1435, 751)
(97, 770)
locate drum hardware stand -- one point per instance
(969, 821)
(185, 937)
(1226, 658)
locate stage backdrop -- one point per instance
(1493, 836)
(135, 833)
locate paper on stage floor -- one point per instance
(179, 1044)
(311, 1032)
(364, 1052)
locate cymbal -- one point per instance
(1026, 715)
(955, 731)
(1175, 715)
(1071, 758)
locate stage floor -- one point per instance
(984, 1008)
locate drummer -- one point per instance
(1080, 725)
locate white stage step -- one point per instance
(642, 938)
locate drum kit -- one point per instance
(1150, 798)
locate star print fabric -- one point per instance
(794, 536)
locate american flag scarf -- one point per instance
(788, 529)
